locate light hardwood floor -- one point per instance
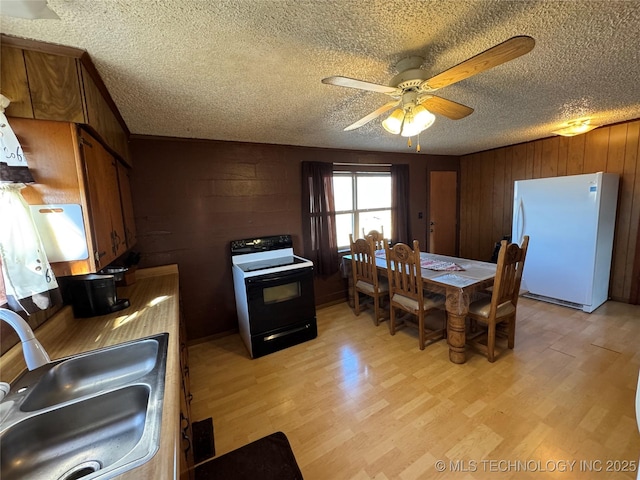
(357, 403)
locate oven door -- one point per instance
(280, 299)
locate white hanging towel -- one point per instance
(28, 279)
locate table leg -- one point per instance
(457, 308)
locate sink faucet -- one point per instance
(34, 354)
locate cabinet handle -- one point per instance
(98, 254)
(113, 242)
(186, 437)
(184, 419)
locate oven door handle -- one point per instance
(275, 277)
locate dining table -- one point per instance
(458, 279)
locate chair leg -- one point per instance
(421, 329)
(392, 320)
(491, 341)
(376, 309)
(356, 301)
(512, 333)
(473, 326)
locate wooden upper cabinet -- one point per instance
(53, 82)
(101, 177)
(55, 87)
(101, 117)
(13, 80)
(51, 149)
(71, 166)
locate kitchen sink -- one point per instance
(92, 373)
(86, 436)
(92, 415)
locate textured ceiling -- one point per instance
(251, 70)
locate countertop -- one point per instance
(154, 309)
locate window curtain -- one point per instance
(28, 280)
(400, 204)
(318, 217)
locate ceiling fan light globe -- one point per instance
(423, 117)
(393, 123)
(411, 128)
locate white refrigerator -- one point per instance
(570, 222)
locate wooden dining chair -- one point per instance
(500, 307)
(378, 237)
(406, 291)
(365, 275)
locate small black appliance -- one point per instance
(93, 295)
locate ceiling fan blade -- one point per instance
(361, 85)
(447, 108)
(375, 114)
(501, 53)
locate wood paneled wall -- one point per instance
(192, 197)
(487, 178)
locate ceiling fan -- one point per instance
(412, 90)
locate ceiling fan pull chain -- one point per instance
(409, 142)
(418, 146)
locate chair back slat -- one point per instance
(363, 262)
(506, 287)
(403, 270)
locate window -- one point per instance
(362, 200)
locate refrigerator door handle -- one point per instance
(520, 221)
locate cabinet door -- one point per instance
(104, 200)
(13, 80)
(102, 118)
(127, 204)
(54, 83)
(51, 148)
(186, 459)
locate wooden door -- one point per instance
(443, 208)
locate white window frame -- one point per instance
(354, 202)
